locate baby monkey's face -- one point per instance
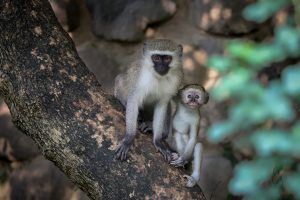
(194, 96)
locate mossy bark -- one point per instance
(55, 100)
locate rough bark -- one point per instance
(55, 100)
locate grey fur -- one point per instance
(140, 85)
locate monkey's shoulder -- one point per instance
(133, 71)
(128, 78)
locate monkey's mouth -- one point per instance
(193, 104)
(162, 70)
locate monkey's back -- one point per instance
(125, 82)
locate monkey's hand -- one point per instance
(175, 156)
(163, 149)
(191, 182)
(122, 150)
(146, 127)
(179, 162)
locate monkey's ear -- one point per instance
(206, 97)
(180, 50)
(179, 92)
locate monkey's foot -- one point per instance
(166, 154)
(164, 150)
(179, 162)
(146, 127)
(122, 150)
(191, 182)
(175, 156)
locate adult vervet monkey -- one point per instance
(152, 79)
(183, 136)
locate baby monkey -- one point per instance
(185, 127)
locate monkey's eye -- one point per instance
(167, 59)
(155, 58)
(189, 96)
(197, 96)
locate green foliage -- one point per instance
(292, 183)
(249, 175)
(290, 80)
(263, 114)
(268, 142)
(264, 9)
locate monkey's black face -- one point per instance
(161, 63)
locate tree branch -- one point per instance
(55, 100)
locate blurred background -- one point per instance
(246, 58)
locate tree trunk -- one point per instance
(55, 100)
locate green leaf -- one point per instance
(263, 9)
(292, 184)
(276, 103)
(221, 63)
(241, 49)
(231, 84)
(248, 112)
(265, 54)
(257, 104)
(291, 80)
(256, 55)
(249, 175)
(219, 131)
(295, 138)
(267, 142)
(296, 129)
(254, 90)
(290, 46)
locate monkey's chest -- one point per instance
(182, 128)
(180, 124)
(153, 89)
(183, 120)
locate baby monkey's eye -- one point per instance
(197, 96)
(189, 96)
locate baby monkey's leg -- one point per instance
(179, 146)
(194, 178)
(145, 119)
(146, 127)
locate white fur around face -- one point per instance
(162, 52)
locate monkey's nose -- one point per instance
(161, 69)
